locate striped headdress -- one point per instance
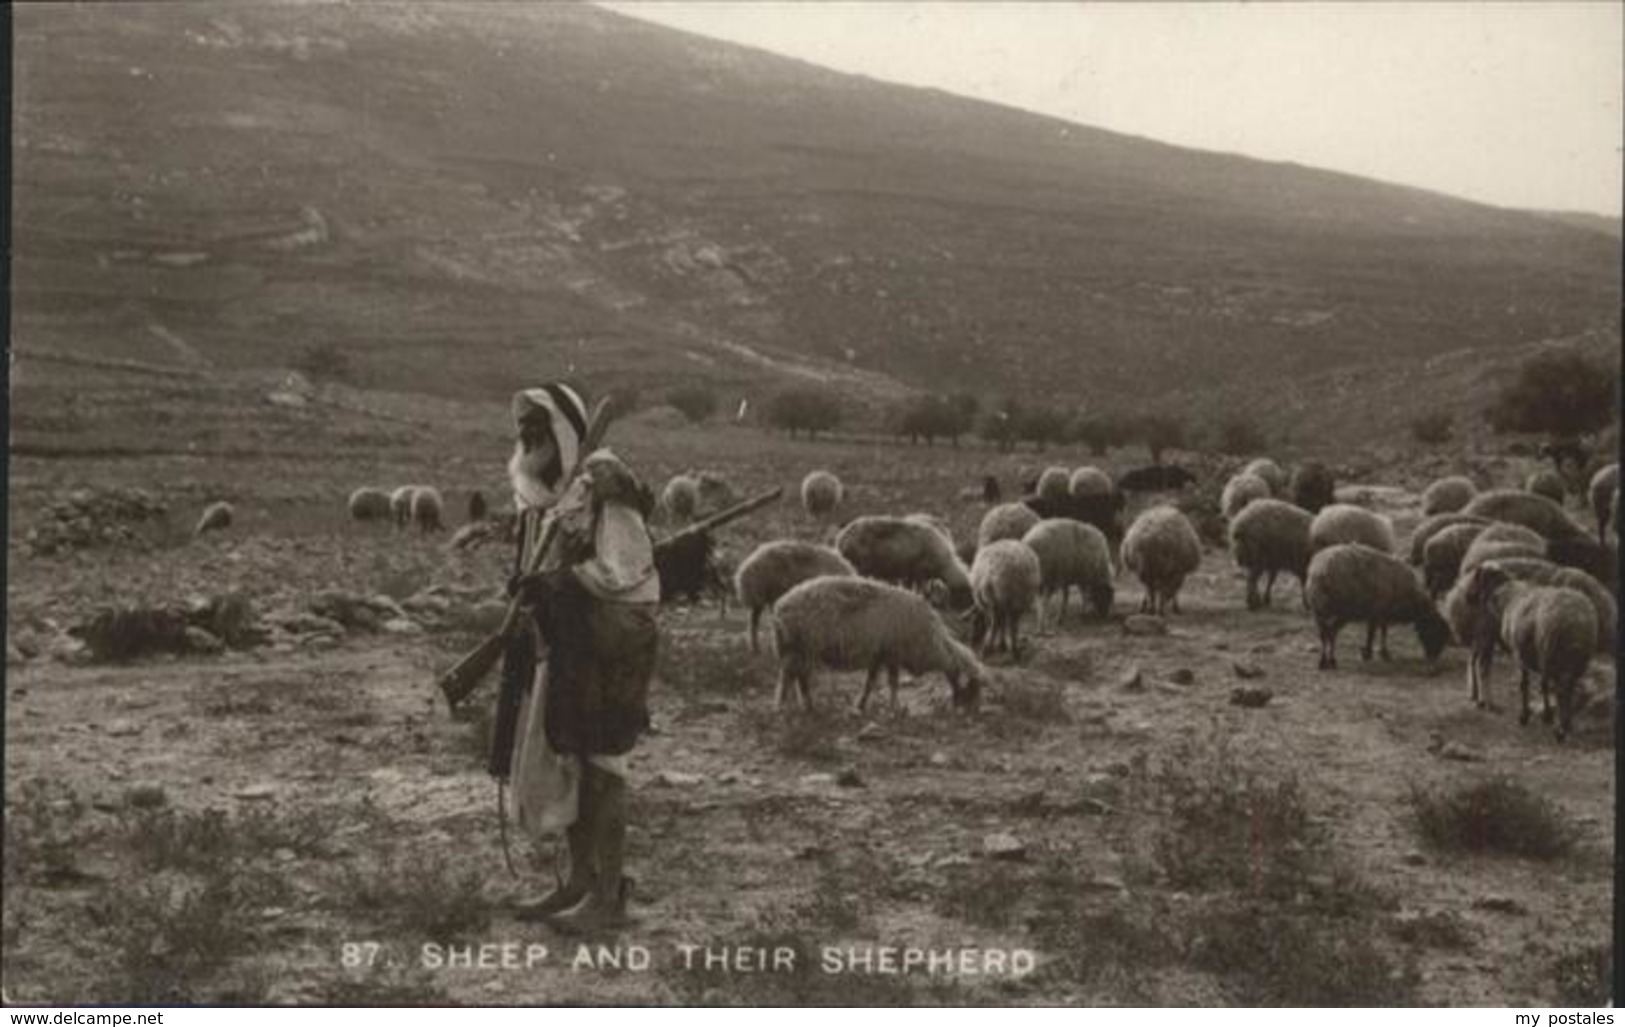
(567, 411)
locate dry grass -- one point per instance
(1498, 815)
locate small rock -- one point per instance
(957, 859)
(256, 791)
(849, 778)
(1106, 882)
(1414, 859)
(1003, 845)
(871, 732)
(1500, 904)
(284, 855)
(1252, 698)
(816, 780)
(1133, 681)
(939, 759)
(272, 913)
(1183, 676)
(402, 626)
(1457, 751)
(1097, 807)
(1247, 671)
(1169, 688)
(810, 852)
(200, 641)
(122, 729)
(15, 654)
(677, 779)
(145, 796)
(1144, 624)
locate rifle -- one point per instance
(458, 682)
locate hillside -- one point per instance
(455, 197)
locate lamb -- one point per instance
(400, 505)
(1268, 537)
(1339, 523)
(1547, 483)
(1241, 490)
(1604, 486)
(370, 504)
(1007, 520)
(1005, 582)
(1070, 553)
(774, 568)
(1433, 525)
(1090, 481)
(1441, 557)
(426, 509)
(680, 498)
(850, 623)
(1055, 481)
(477, 507)
(1350, 582)
(1162, 548)
(1271, 472)
(1313, 486)
(216, 517)
(1550, 630)
(1537, 513)
(1448, 495)
(821, 493)
(895, 550)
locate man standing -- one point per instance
(588, 660)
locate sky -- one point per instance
(1513, 104)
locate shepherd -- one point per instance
(576, 676)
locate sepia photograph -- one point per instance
(690, 504)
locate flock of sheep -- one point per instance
(1516, 573)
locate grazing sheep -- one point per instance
(1604, 486)
(905, 553)
(1441, 557)
(934, 522)
(1313, 486)
(1268, 537)
(477, 507)
(1547, 483)
(370, 504)
(774, 568)
(1070, 553)
(821, 493)
(1156, 478)
(1005, 583)
(1536, 513)
(1550, 630)
(400, 505)
(1162, 548)
(1241, 490)
(1537, 571)
(1343, 523)
(715, 492)
(1007, 520)
(1054, 482)
(680, 498)
(688, 568)
(1433, 525)
(1599, 561)
(1448, 495)
(426, 509)
(1350, 582)
(1271, 472)
(1102, 512)
(1500, 540)
(1090, 481)
(216, 516)
(850, 623)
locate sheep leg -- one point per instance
(1254, 600)
(804, 684)
(1370, 638)
(868, 686)
(786, 684)
(1545, 698)
(891, 680)
(1523, 691)
(1328, 645)
(755, 620)
(1173, 601)
(1565, 706)
(1065, 591)
(1015, 638)
(1382, 631)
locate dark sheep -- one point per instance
(477, 508)
(1156, 478)
(688, 569)
(1103, 512)
(1314, 486)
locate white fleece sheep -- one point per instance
(427, 509)
(849, 623)
(1536, 513)
(369, 504)
(1268, 537)
(1071, 553)
(1442, 556)
(215, 517)
(1162, 549)
(774, 568)
(1005, 583)
(1090, 481)
(1055, 481)
(1499, 541)
(1538, 571)
(1448, 495)
(903, 552)
(1550, 630)
(1271, 472)
(1007, 520)
(400, 505)
(1241, 490)
(821, 493)
(1342, 523)
(1547, 482)
(1431, 526)
(680, 498)
(1351, 582)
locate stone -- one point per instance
(122, 729)
(145, 796)
(1132, 681)
(1500, 904)
(816, 780)
(1183, 676)
(1251, 698)
(1459, 752)
(677, 779)
(850, 778)
(1144, 624)
(1414, 859)
(200, 641)
(1247, 671)
(402, 626)
(871, 732)
(256, 792)
(1003, 845)
(939, 759)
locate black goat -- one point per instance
(1102, 512)
(688, 569)
(1156, 478)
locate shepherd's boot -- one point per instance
(582, 872)
(605, 905)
